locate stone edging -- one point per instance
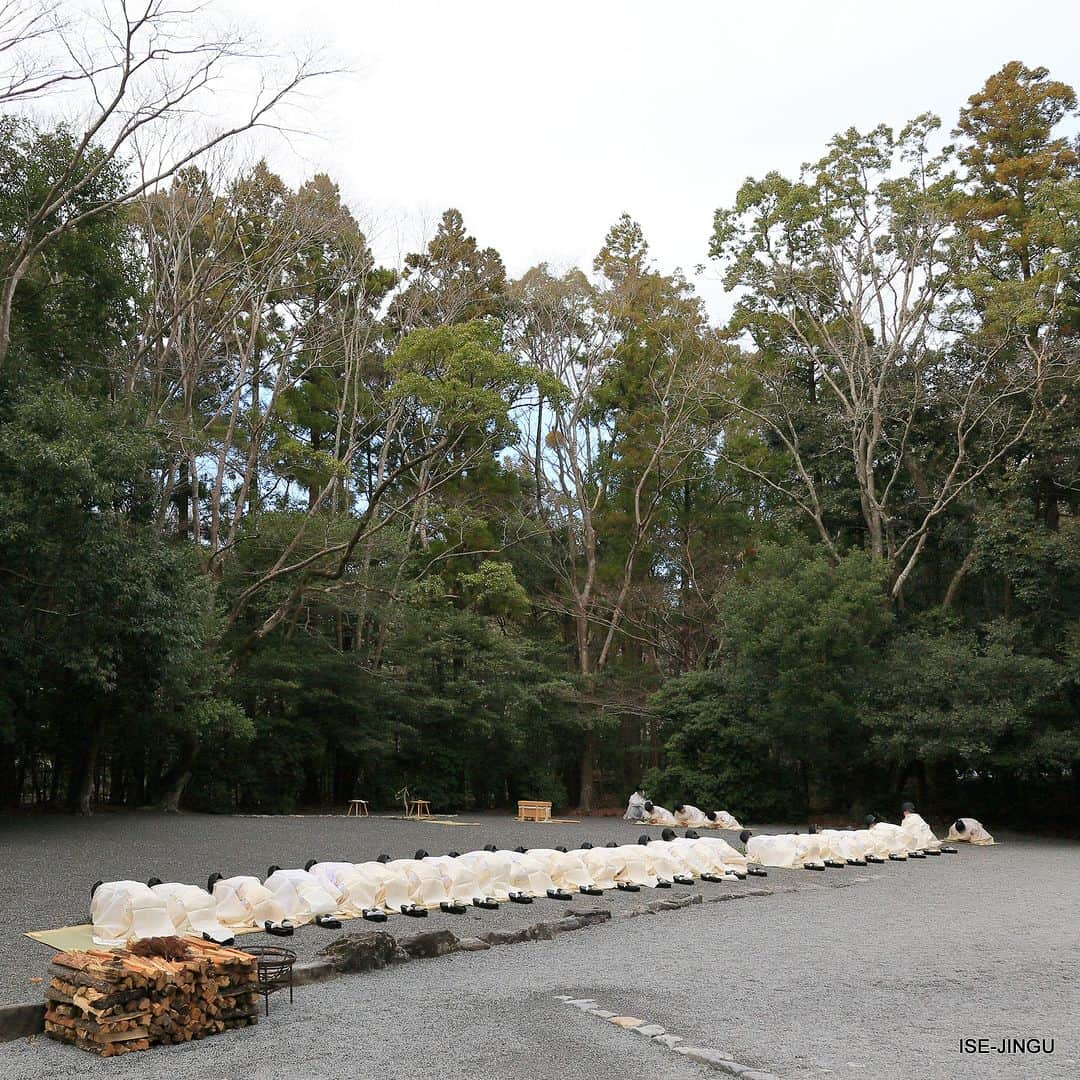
(371, 950)
(658, 1035)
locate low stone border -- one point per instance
(371, 950)
(715, 1059)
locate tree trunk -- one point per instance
(588, 755)
(86, 780)
(180, 775)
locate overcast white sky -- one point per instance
(542, 122)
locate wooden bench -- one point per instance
(357, 808)
(418, 808)
(534, 810)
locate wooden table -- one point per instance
(534, 810)
(418, 808)
(358, 808)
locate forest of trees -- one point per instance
(280, 525)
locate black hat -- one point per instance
(310, 863)
(585, 845)
(383, 858)
(644, 839)
(151, 882)
(612, 843)
(869, 820)
(960, 826)
(561, 848)
(745, 835)
(94, 888)
(648, 806)
(272, 870)
(668, 834)
(212, 880)
(521, 850)
(453, 854)
(710, 814)
(693, 834)
(490, 847)
(812, 829)
(908, 806)
(420, 854)
(677, 807)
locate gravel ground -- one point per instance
(879, 979)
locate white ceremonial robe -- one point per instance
(635, 807)
(918, 833)
(723, 820)
(897, 841)
(844, 844)
(690, 817)
(302, 896)
(781, 851)
(660, 816)
(394, 887)
(974, 834)
(602, 864)
(192, 910)
(245, 901)
(661, 863)
(529, 875)
(565, 869)
(123, 911)
(459, 878)
(732, 857)
(353, 889)
(636, 867)
(423, 881)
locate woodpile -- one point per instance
(161, 990)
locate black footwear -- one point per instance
(282, 929)
(757, 871)
(683, 879)
(893, 857)
(327, 922)
(739, 874)
(373, 914)
(950, 851)
(486, 902)
(836, 864)
(916, 854)
(558, 894)
(590, 890)
(856, 862)
(627, 886)
(712, 878)
(226, 942)
(520, 898)
(452, 908)
(414, 911)
(813, 866)
(931, 851)
(663, 883)
(874, 859)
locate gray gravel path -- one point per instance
(872, 973)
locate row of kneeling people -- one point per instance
(124, 910)
(682, 815)
(878, 841)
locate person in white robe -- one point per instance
(721, 819)
(355, 889)
(785, 851)
(459, 878)
(660, 862)
(564, 868)
(245, 901)
(636, 868)
(393, 889)
(300, 893)
(529, 875)
(702, 857)
(895, 841)
(635, 807)
(690, 816)
(602, 865)
(422, 882)
(658, 815)
(192, 910)
(919, 834)
(731, 857)
(492, 869)
(123, 911)
(968, 830)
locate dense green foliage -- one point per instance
(280, 526)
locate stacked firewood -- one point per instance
(162, 990)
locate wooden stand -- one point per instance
(534, 810)
(418, 808)
(358, 808)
